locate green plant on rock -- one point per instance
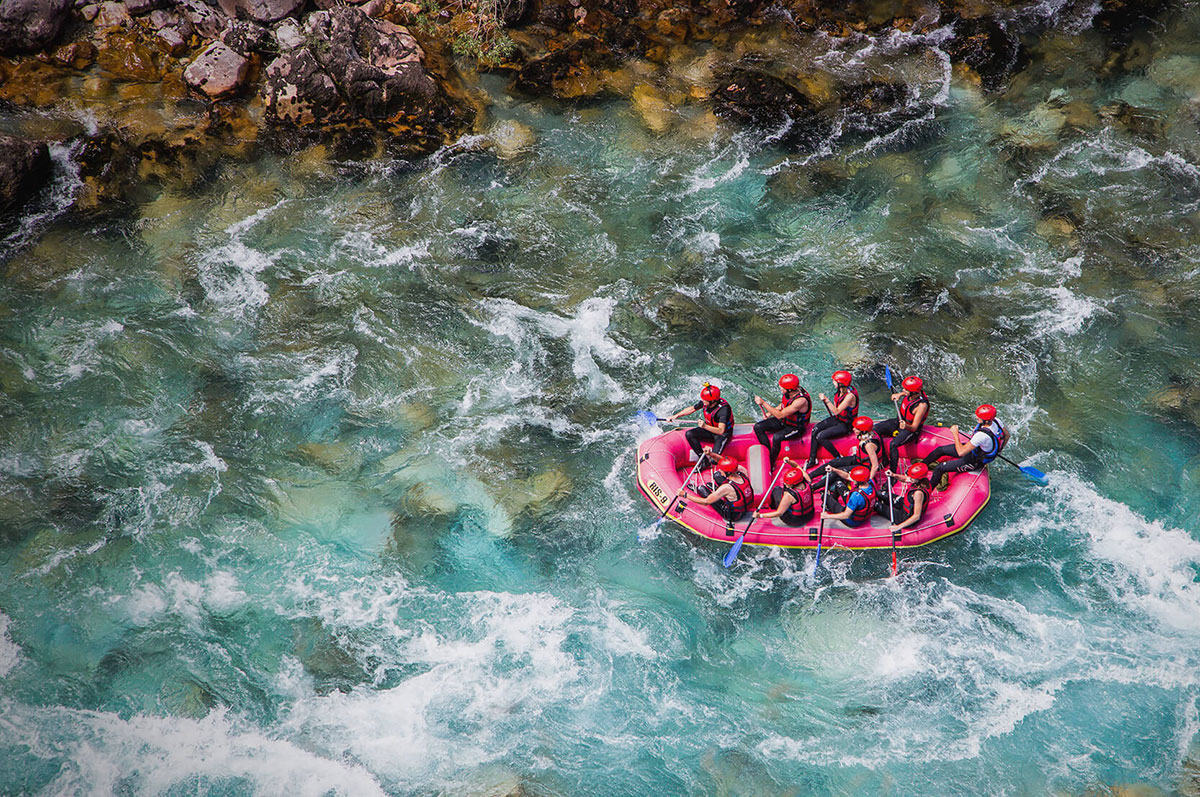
(477, 25)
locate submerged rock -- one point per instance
(31, 25)
(569, 73)
(989, 48)
(653, 108)
(749, 95)
(24, 169)
(509, 138)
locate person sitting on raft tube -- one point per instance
(867, 451)
(855, 501)
(793, 501)
(732, 496)
(716, 427)
(985, 443)
(843, 409)
(913, 410)
(787, 421)
(908, 508)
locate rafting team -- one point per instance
(852, 498)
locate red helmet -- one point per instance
(842, 378)
(912, 384)
(863, 424)
(918, 470)
(789, 381)
(860, 474)
(793, 477)
(727, 465)
(986, 412)
(710, 393)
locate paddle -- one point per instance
(691, 473)
(650, 419)
(821, 524)
(1030, 472)
(892, 520)
(737, 544)
(887, 377)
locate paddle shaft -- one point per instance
(892, 520)
(821, 523)
(1006, 459)
(685, 481)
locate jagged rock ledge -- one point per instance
(176, 86)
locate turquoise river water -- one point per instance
(319, 479)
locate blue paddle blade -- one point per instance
(817, 563)
(733, 550)
(1034, 474)
(647, 417)
(887, 375)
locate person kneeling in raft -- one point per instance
(787, 421)
(855, 498)
(984, 444)
(793, 501)
(868, 451)
(732, 497)
(907, 508)
(842, 412)
(716, 427)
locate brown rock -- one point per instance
(217, 71)
(171, 40)
(24, 169)
(126, 57)
(76, 55)
(112, 15)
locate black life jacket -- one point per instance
(859, 451)
(908, 407)
(860, 516)
(908, 502)
(744, 493)
(797, 420)
(710, 414)
(850, 413)
(998, 441)
(802, 502)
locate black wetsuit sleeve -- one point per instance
(724, 416)
(697, 405)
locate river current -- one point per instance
(319, 479)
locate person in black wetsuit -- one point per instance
(787, 421)
(908, 509)
(793, 501)
(982, 446)
(732, 496)
(913, 411)
(715, 428)
(843, 409)
(867, 451)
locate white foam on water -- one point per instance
(505, 660)
(229, 273)
(10, 652)
(702, 179)
(103, 753)
(1155, 564)
(1065, 312)
(586, 333)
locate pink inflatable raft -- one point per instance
(664, 461)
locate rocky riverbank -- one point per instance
(159, 92)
